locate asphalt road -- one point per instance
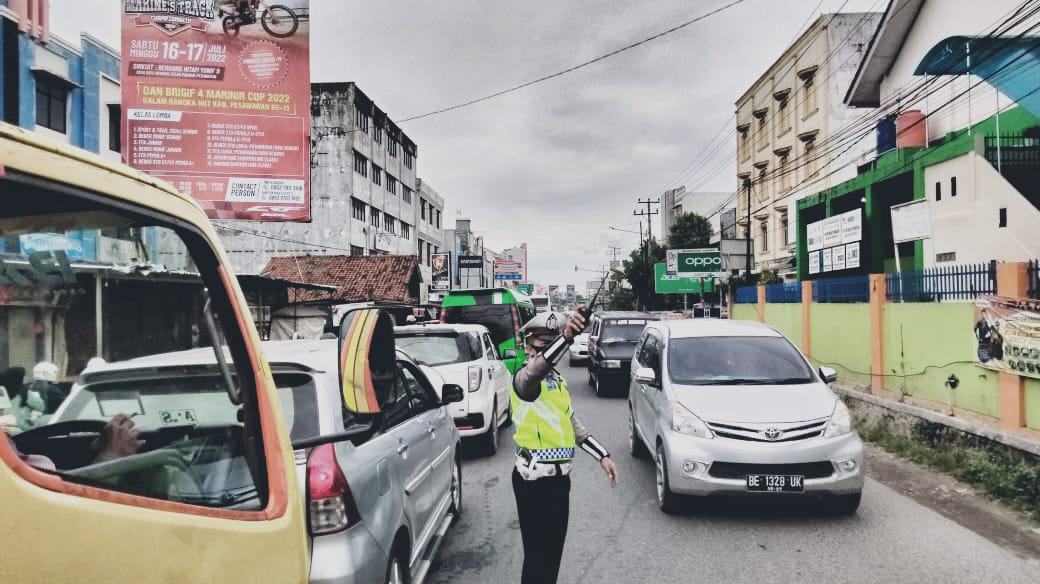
(619, 535)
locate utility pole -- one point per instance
(613, 250)
(649, 238)
(747, 232)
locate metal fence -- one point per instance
(784, 292)
(1014, 150)
(747, 295)
(942, 284)
(1033, 273)
(844, 289)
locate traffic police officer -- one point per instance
(547, 432)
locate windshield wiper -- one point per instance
(782, 381)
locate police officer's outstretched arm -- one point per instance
(542, 355)
(583, 438)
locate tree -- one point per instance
(639, 271)
(690, 231)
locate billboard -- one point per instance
(696, 263)
(440, 268)
(665, 284)
(571, 294)
(218, 103)
(1007, 335)
(509, 270)
(834, 243)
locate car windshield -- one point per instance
(441, 348)
(736, 361)
(498, 318)
(622, 330)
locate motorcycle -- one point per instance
(279, 21)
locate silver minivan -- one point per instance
(732, 407)
(378, 504)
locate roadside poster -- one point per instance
(218, 103)
(571, 295)
(828, 259)
(694, 263)
(815, 262)
(832, 231)
(851, 226)
(814, 235)
(509, 270)
(838, 259)
(1007, 335)
(852, 255)
(440, 272)
(911, 221)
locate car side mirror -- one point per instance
(828, 375)
(646, 375)
(451, 393)
(509, 354)
(367, 359)
(593, 339)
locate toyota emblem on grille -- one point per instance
(773, 434)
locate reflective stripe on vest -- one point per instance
(545, 424)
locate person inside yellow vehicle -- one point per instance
(118, 439)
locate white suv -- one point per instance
(463, 354)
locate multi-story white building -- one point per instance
(363, 188)
(430, 232)
(675, 202)
(782, 118)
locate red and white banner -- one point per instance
(218, 103)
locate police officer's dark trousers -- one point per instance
(543, 506)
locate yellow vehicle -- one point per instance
(181, 474)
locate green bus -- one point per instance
(501, 310)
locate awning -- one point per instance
(268, 283)
(1009, 64)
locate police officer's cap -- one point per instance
(545, 325)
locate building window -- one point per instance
(808, 92)
(391, 184)
(438, 219)
(950, 256)
(357, 209)
(360, 164)
(783, 111)
(938, 191)
(357, 250)
(429, 252)
(783, 230)
(51, 106)
(784, 172)
(115, 136)
(406, 230)
(391, 146)
(422, 208)
(744, 133)
(810, 156)
(762, 131)
(1002, 221)
(763, 228)
(373, 217)
(377, 175)
(389, 223)
(377, 135)
(406, 194)
(407, 159)
(420, 253)
(953, 186)
(361, 119)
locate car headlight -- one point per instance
(840, 422)
(612, 364)
(685, 422)
(476, 374)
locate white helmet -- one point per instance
(548, 325)
(45, 371)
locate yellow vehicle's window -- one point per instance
(110, 332)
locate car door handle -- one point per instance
(402, 449)
(432, 431)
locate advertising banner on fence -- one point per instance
(218, 103)
(834, 243)
(440, 272)
(1007, 331)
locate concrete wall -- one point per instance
(981, 193)
(921, 339)
(745, 312)
(841, 339)
(787, 318)
(1033, 404)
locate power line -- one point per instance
(575, 67)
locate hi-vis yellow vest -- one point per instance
(544, 425)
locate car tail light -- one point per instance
(444, 315)
(475, 375)
(329, 500)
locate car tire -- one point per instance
(636, 446)
(668, 501)
(843, 505)
(490, 438)
(456, 488)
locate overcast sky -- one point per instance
(556, 164)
